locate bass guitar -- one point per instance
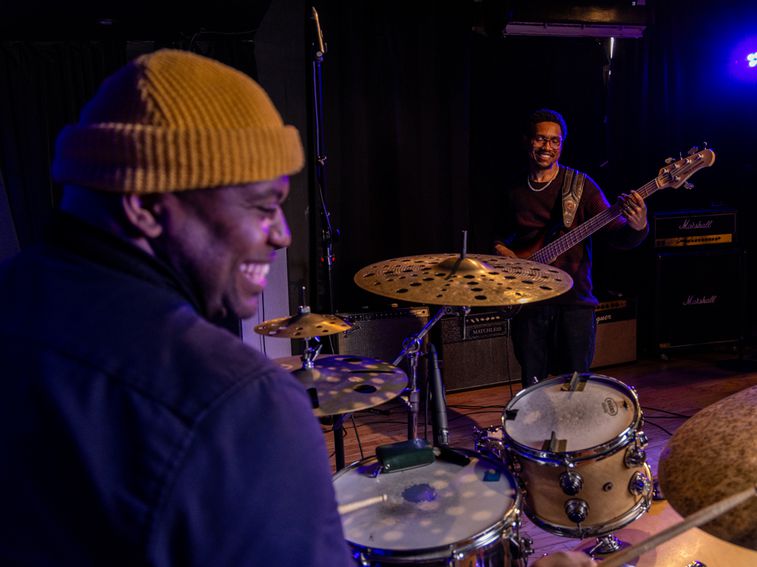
(673, 175)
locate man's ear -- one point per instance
(144, 213)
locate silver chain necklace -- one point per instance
(537, 190)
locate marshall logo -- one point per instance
(700, 300)
(689, 224)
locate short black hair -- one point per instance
(546, 115)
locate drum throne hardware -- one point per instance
(457, 281)
(577, 482)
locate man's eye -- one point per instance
(267, 210)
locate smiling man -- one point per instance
(557, 336)
(135, 431)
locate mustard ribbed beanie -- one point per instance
(173, 120)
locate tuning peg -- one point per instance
(706, 145)
(688, 185)
(669, 160)
(693, 150)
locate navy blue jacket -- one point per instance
(134, 432)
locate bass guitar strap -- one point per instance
(572, 189)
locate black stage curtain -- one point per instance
(42, 87)
(396, 124)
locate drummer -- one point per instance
(134, 430)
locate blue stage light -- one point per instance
(744, 60)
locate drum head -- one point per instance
(600, 409)
(433, 506)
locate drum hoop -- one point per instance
(589, 453)
(641, 507)
(479, 540)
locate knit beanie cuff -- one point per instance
(171, 121)
(135, 158)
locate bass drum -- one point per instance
(461, 512)
(575, 444)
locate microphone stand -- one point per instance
(328, 232)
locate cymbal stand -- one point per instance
(411, 347)
(306, 375)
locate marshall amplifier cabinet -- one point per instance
(616, 332)
(475, 350)
(699, 297)
(380, 334)
(680, 229)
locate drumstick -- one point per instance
(360, 504)
(696, 519)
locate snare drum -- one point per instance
(575, 445)
(440, 514)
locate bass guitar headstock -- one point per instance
(676, 173)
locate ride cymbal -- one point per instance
(346, 384)
(303, 325)
(710, 457)
(472, 281)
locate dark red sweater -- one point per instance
(529, 215)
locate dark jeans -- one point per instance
(553, 339)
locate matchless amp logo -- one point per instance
(700, 300)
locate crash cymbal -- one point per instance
(714, 455)
(347, 384)
(303, 325)
(472, 281)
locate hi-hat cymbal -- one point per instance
(714, 455)
(476, 280)
(303, 325)
(346, 383)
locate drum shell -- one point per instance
(499, 544)
(605, 489)
(603, 467)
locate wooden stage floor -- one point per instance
(669, 391)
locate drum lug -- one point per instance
(515, 466)
(639, 485)
(577, 510)
(636, 455)
(641, 439)
(571, 483)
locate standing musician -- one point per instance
(135, 431)
(557, 336)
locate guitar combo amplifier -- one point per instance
(700, 279)
(476, 350)
(380, 334)
(616, 333)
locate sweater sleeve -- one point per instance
(617, 233)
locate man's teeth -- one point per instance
(255, 272)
